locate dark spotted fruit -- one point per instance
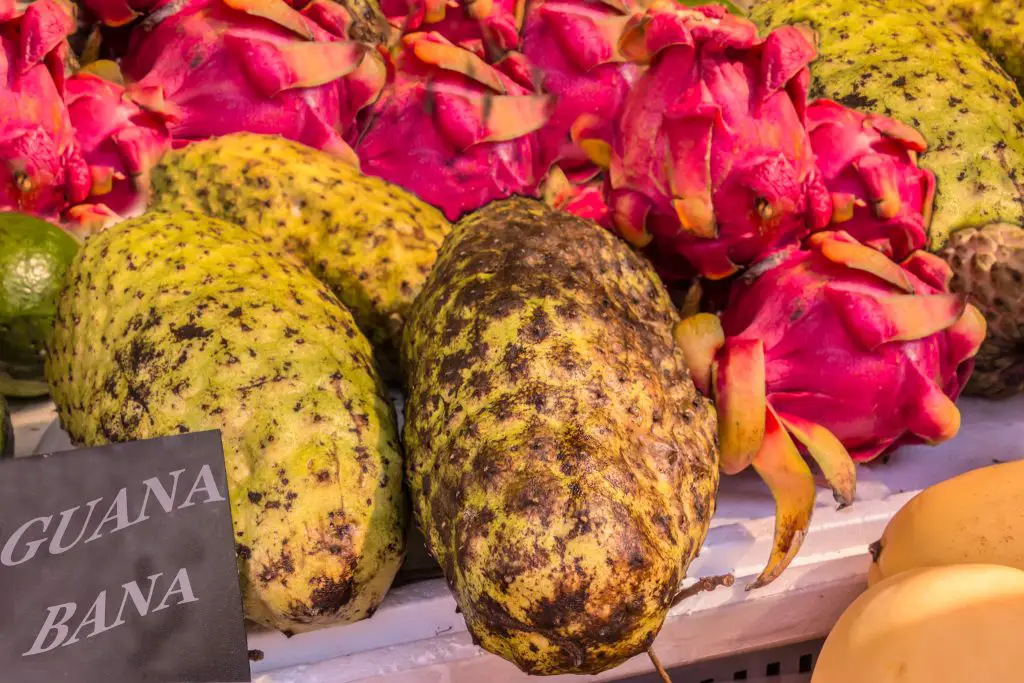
(172, 323)
(370, 241)
(562, 465)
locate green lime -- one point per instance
(34, 255)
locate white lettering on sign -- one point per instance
(23, 545)
(56, 630)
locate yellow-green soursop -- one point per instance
(562, 465)
(372, 242)
(173, 323)
(908, 62)
(996, 25)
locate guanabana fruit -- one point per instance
(172, 323)
(908, 62)
(996, 25)
(6, 431)
(370, 241)
(562, 465)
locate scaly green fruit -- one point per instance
(372, 242)
(997, 25)
(562, 465)
(907, 62)
(174, 323)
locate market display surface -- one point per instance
(601, 252)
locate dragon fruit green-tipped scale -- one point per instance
(869, 162)
(214, 67)
(120, 141)
(710, 165)
(841, 349)
(454, 130)
(41, 167)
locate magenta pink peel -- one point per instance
(710, 165)
(834, 351)
(41, 167)
(869, 163)
(575, 45)
(475, 127)
(264, 68)
(120, 141)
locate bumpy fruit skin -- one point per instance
(968, 109)
(6, 431)
(936, 625)
(372, 242)
(971, 518)
(173, 323)
(988, 262)
(562, 464)
(995, 24)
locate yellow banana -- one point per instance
(975, 517)
(954, 624)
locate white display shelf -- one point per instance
(417, 637)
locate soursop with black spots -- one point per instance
(173, 323)
(562, 465)
(997, 25)
(909, 62)
(372, 242)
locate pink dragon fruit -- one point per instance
(840, 348)
(120, 141)
(454, 130)
(488, 28)
(574, 43)
(586, 200)
(41, 167)
(214, 67)
(710, 164)
(869, 163)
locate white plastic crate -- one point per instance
(788, 664)
(417, 636)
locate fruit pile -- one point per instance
(266, 191)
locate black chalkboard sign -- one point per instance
(117, 565)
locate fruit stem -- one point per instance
(657, 665)
(706, 584)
